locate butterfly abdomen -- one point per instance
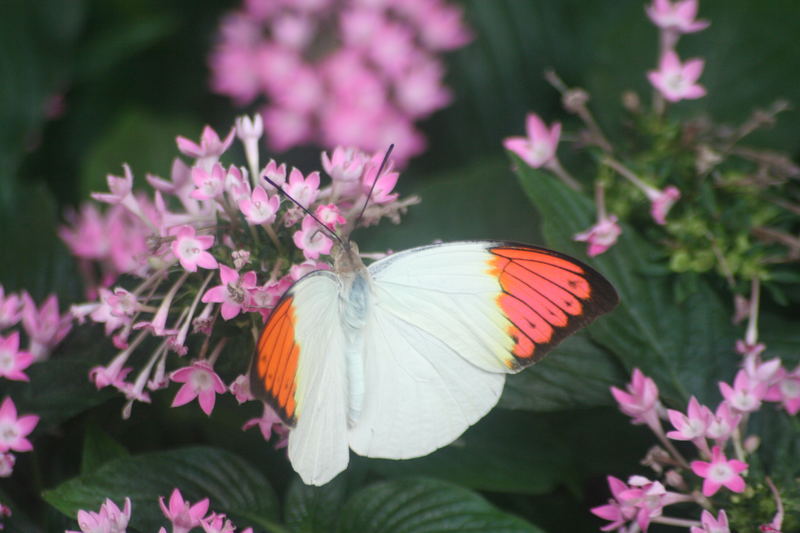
(355, 310)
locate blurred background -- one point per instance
(88, 85)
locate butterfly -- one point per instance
(397, 359)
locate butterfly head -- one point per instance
(346, 259)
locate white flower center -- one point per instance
(201, 380)
(9, 433)
(790, 388)
(189, 248)
(720, 472)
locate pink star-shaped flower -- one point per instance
(10, 309)
(344, 164)
(190, 249)
(45, 326)
(692, 425)
(303, 190)
(232, 293)
(661, 202)
(181, 513)
(382, 191)
(601, 236)
(110, 518)
(119, 188)
(722, 424)
(13, 429)
(711, 524)
(311, 239)
(641, 399)
(679, 16)
(720, 472)
(210, 144)
(539, 147)
(786, 390)
(209, 184)
(259, 208)
(677, 81)
(12, 360)
(746, 394)
(199, 381)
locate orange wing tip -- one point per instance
(274, 369)
(546, 296)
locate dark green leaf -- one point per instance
(139, 138)
(314, 509)
(98, 449)
(424, 506)
(233, 485)
(476, 202)
(687, 346)
(577, 374)
(508, 451)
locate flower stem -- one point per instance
(554, 166)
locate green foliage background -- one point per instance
(134, 76)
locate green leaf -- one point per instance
(475, 202)
(314, 509)
(508, 451)
(425, 506)
(685, 346)
(139, 138)
(59, 387)
(98, 449)
(234, 486)
(577, 374)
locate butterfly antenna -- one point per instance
(372, 189)
(288, 196)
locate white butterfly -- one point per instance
(398, 359)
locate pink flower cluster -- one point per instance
(219, 243)
(710, 431)
(44, 328)
(183, 516)
(339, 72)
(676, 80)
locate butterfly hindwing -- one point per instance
(447, 322)
(299, 369)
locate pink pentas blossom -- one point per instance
(746, 394)
(720, 472)
(12, 360)
(692, 425)
(299, 270)
(210, 148)
(648, 498)
(786, 390)
(381, 186)
(10, 309)
(14, 429)
(661, 201)
(539, 147)
(183, 515)
(268, 423)
(232, 293)
(312, 239)
(721, 426)
(45, 326)
(199, 381)
(260, 208)
(190, 249)
(209, 184)
(7, 461)
(120, 188)
(275, 172)
(711, 524)
(110, 519)
(345, 164)
(328, 77)
(677, 81)
(330, 215)
(680, 16)
(303, 190)
(240, 388)
(217, 523)
(760, 371)
(617, 512)
(743, 348)
(640, 401)
(601, 236)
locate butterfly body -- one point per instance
(399, 358)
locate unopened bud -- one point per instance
(674, 479)
(574, 100)
(751, 443)
(631, 101)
